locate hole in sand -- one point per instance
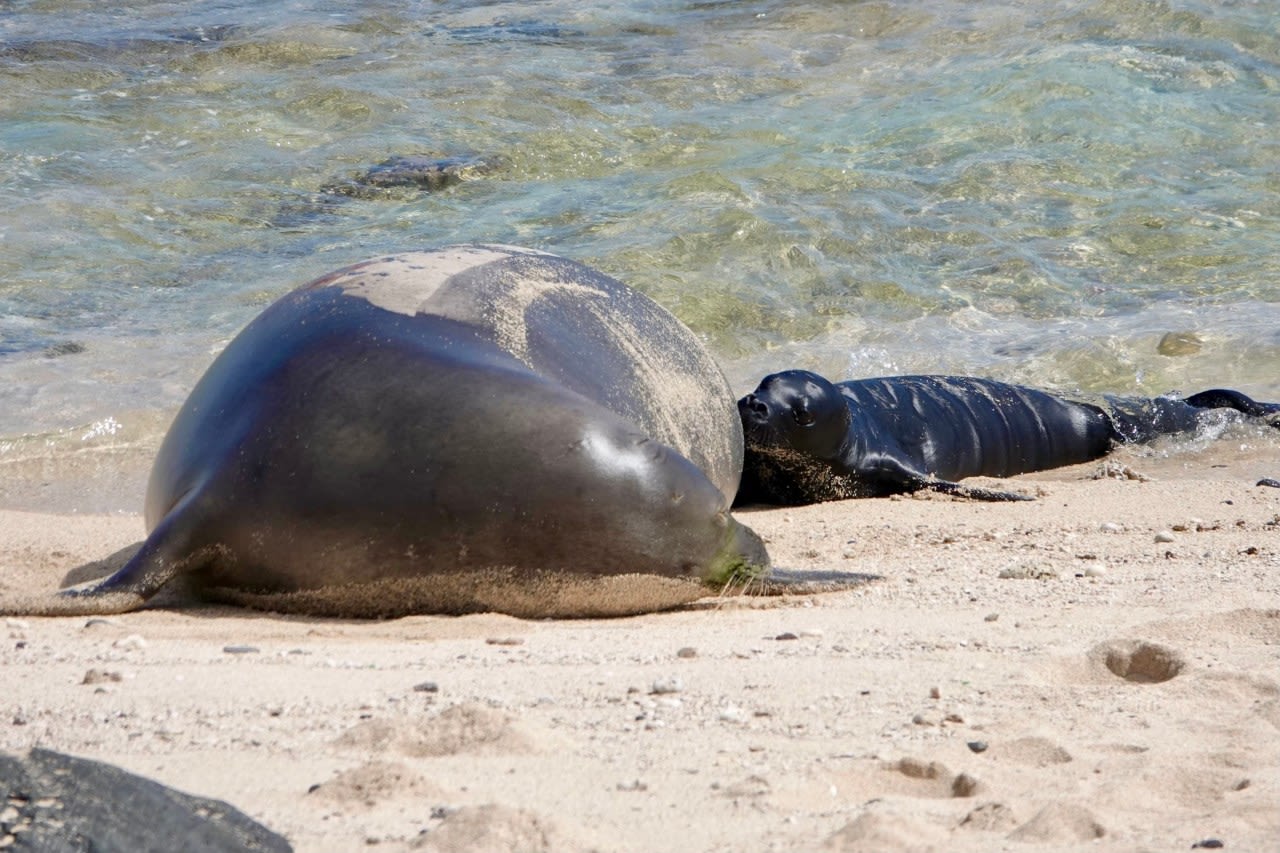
(1142, 663)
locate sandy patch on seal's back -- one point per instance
(403, 283)
(675, 390)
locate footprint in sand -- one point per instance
(867, 780)
(876, 832)
(1270, 711)
(1032, 751)
(470, 729)
(990, 817)
(1248, 624)
(498, 829)
(932, 779)
(375, 783)
(1060, 823)
(1138, 661)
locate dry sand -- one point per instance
(1034, 676)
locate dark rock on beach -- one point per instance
(55, 802)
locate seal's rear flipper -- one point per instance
(1225, 398)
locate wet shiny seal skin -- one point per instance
(473, 428)
(810, 440)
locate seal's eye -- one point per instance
(803, 416)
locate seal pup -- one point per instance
(810, 440)
(478, 427)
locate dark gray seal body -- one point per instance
(474, 428)
(810, 440)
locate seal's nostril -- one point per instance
(758, 408)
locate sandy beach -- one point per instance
(1096, 669)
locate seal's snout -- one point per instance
(754, 408)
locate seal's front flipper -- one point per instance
(904, 479)
(974, 493)
(166, 552)
(779, 582)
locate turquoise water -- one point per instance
(1034, 191)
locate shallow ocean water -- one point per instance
(1081, 195)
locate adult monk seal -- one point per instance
(475, 428)
(811, 440)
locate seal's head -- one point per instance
(797, 410)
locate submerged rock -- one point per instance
(424, 172)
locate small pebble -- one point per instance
(1165, 536)
(977, 746)
(505, 641)
(687, 652)
(787, 635)
(426, 687)
(133, 641)
(991, 617)
(1095, 571)
(1269, 481)
(935, 693)
(240, 650)
(1208, 844)
(666, 685)
(1111, 527)
(732, 714)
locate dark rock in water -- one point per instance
(149, 48)
(205, 35)
(525, 31)
(1180, 343)
(63, 803)
(421, 172)
(65, 348)
(402, 178)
